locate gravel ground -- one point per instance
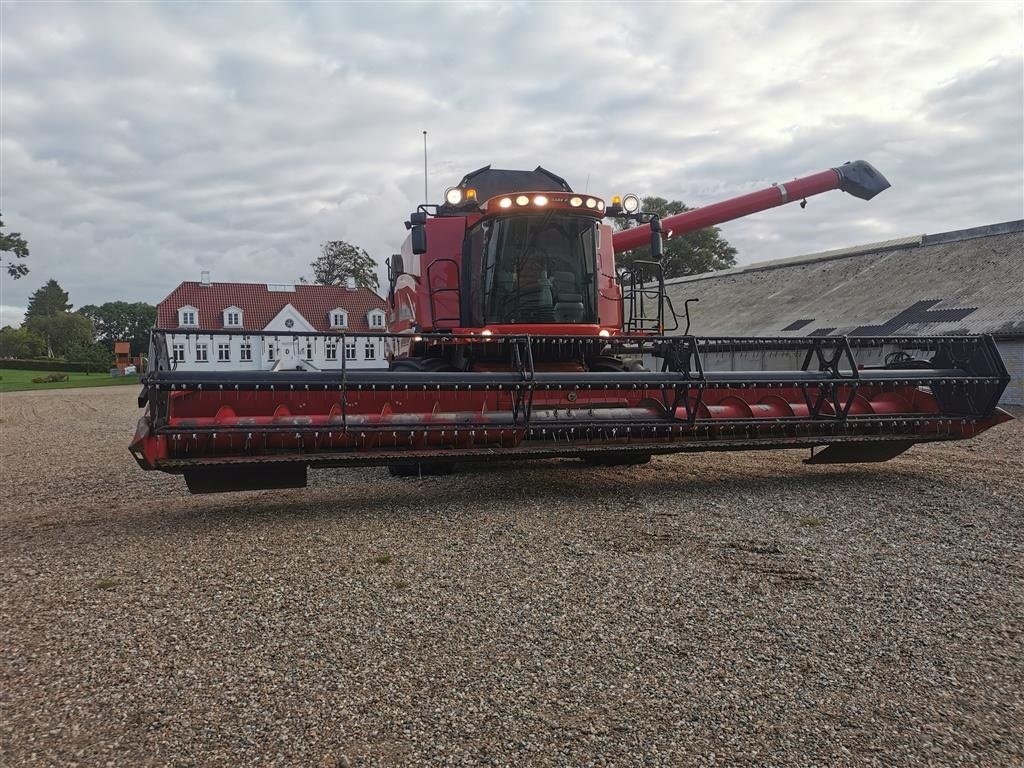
(738, 609)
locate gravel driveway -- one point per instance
(738, 609)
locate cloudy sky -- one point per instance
(142, 143)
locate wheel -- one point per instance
(609, 364)
(616, 459)
(406, 364)
(421, 365)
(437, 365)
(606, 364)
(424, 468)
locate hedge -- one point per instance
(47, 364)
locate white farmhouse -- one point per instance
(281, 317)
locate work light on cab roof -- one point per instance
(514, 334)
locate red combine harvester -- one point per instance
(513, 336)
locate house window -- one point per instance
(309, 350)
(338, 319)
(188, 317)
(202, 353)
(270, 352)
(370, 351)
(223, 353)
(233, 318)
(179, 353)
(376, 320)
(245, 352)
(350, 350)
(332, 350)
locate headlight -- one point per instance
(631, 203)
(540, 200)
(604, 333)
(600, 205)
(506, 202)
(575, 202)
(485, 332)
(522, 200)
(453, 196)
(591, 202)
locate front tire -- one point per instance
(424, 468)
(616, 459)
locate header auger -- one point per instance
(511, 335)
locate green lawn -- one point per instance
(12, 380)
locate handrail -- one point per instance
(432, 292)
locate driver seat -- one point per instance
(568, 298)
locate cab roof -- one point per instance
(489, 182)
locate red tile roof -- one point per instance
(259, 305)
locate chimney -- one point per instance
(204, 278)
(350, 283)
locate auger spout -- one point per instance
(859, 178)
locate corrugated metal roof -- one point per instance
(970, 281)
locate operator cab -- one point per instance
(531, 268)
(510, 252)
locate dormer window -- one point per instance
(376, 319)
(339, 318)
(232, 317)
(188, 317)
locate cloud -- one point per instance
(11, 315)
(143, 143)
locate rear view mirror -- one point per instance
(417, 225)
(396, 267)
(657, 251)
(419, 239)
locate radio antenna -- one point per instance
(426, 193)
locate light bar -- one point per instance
(531, 201)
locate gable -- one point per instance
(289, 319)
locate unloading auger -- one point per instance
(512, 336)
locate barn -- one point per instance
(969, 281)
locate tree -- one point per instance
(690, 254)
(338, 261)
(95, 354)
(48, 300)
(21, 343)
(122, 321)
(13, 242)
(62, 331)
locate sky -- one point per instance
(141, 144)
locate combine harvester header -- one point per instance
(513, 335)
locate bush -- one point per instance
(92, 354)
(49, 364)
(21, 343)
(50, 379)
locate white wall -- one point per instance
(290, 349)
(1012, 352)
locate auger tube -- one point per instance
(859, 178)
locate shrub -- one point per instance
(92, 354)
(50, 379)
(21, 342)
(49, 364)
